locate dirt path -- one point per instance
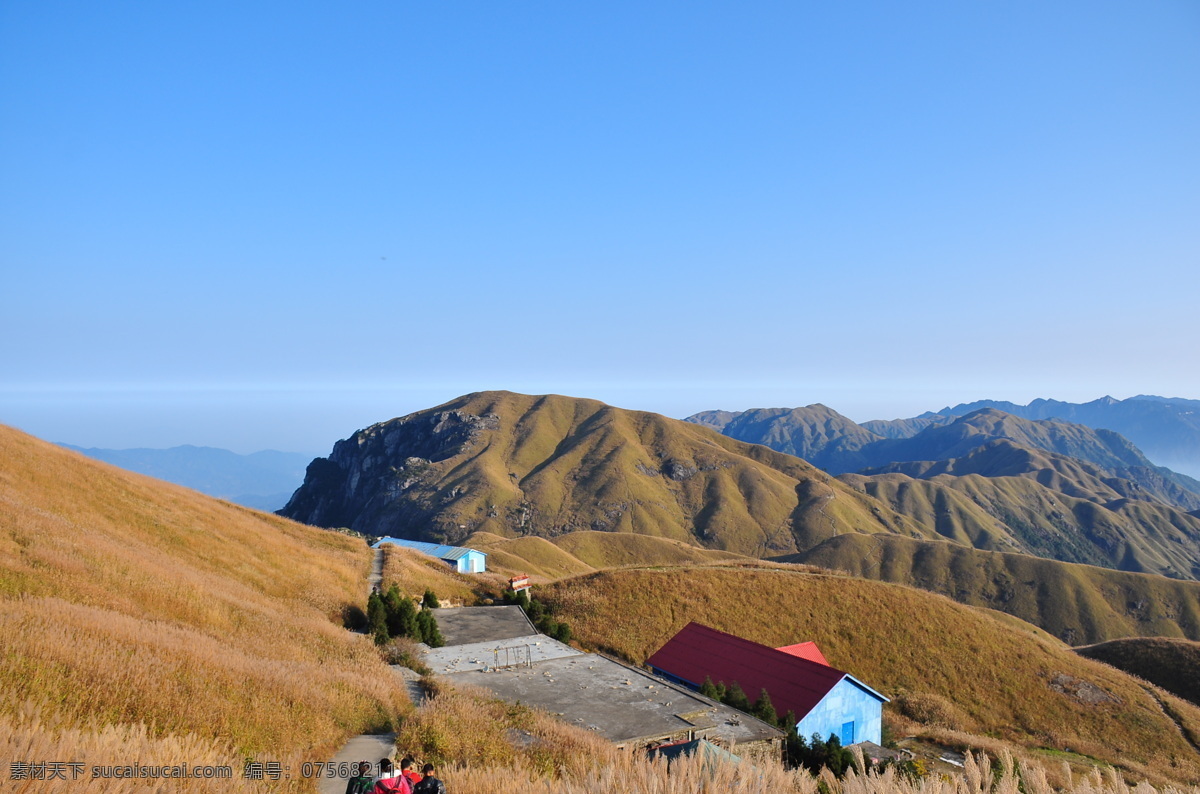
(369, 746)
(375, 578)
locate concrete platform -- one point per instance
(531, 649)
(461, 625)
(622, 704)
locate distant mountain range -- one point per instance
(262, 480)
(1166, 429)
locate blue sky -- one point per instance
(270, 224)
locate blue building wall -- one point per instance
(847, 711)
(472, 562)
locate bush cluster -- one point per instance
(395, 615)
(541, 615)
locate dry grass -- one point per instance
(959, 667)
(125, 601)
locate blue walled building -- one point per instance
(460, 559)
(825, 700)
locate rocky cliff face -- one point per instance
(377, 481)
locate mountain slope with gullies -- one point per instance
(998, 482)
(1076, 603)
(515, 465)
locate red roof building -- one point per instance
(805, 650)
(824, 699)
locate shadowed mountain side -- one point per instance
(1020, 514)
(815, 433)
(1165, 429)
(945, 664)
(904, 428)
(1077, 603)
(1172, 664)
(836, 444)
(515, 465)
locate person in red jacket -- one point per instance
(413, 776)
(390, 780)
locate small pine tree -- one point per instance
(377, 619)
(523, 600)
(736, 698)
(406, 619)
(764, 710)
(563, 633)
(430, 601)
(427, 629)
(788, 721)
(709, 689)
(547, 626)
(535, 611)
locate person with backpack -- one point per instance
(362, 781)
(390, 781)
(429, 784)
(414, 777)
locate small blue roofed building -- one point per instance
(460, 559)
(824, 699)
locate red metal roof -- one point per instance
(795, 683)
(806, 650)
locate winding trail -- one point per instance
(369, 746)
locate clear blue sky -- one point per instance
(269, 224)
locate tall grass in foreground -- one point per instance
(142, 620)
(27, 734)
(631, 774)
(483, 745)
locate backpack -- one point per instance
(430, 785)
(360, 785)
(398, 784)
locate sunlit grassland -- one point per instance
(127, 602)
(961, 670)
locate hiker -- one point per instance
(390, 781)
(429, 784)
(362, 781)
(414, 777)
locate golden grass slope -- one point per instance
(963, 671)
(127, 601)
(1077, 603)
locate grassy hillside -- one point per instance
(128, 602)
(1077, 603)
(515, 465)
(958, 670)
(1173, 665)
